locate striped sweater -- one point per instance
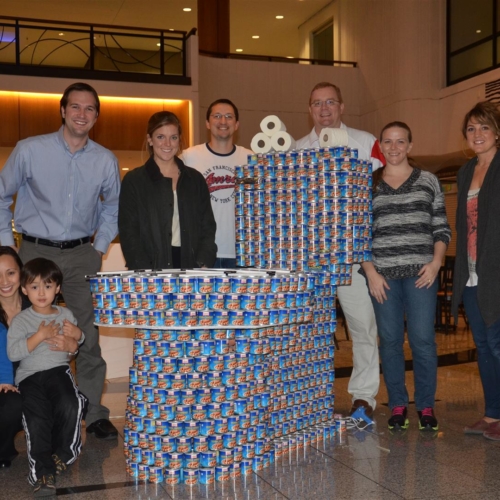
(407, 222)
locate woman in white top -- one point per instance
(165, 216)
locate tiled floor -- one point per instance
(367, 464)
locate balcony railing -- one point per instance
(292, 60)
(75, 50)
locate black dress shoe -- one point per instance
(103, 429)
(4, 464)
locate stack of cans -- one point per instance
(211, 300)
(304, 210)
(214, 403)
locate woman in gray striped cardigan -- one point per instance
(410, 236)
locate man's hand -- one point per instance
(71, 330)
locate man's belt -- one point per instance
(63, 245)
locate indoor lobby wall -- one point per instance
(260, 88)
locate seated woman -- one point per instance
(165, 216)
(11, 303)
(410, 236)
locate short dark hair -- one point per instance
(486, 113)
(46, 269)
(79, 87)
(223, 101)
(325, 85)
(161, 119)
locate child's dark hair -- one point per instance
(47, 270)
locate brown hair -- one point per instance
(159, 120)
(486, 113)
(79, 87)
(379, 173)
(223, 101)
(12, 253)
(325, 85)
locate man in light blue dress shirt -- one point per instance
(67, 193)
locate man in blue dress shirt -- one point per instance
(67, 193)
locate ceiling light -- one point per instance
(280, 17)
(171, 29)
(478, 31)
(289, 57)
(158, 44)
(125, 168)
(255, 36)
(61, 34)
(186, 9)
(239, 50)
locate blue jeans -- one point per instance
(224, 263)
(487, 340)
(419, 306)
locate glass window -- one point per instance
(471, 61)
(470, 22)
(322, 43)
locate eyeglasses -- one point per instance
(227, 116)
(329, 103)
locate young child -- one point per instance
(53, 407)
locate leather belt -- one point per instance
(63, 245)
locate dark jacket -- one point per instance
(145, 218)
(488, 240)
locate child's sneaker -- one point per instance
(398, 419)
(45, 486)
(426, 420)
(60, 465)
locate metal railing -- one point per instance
(292, 60)
(66, 49)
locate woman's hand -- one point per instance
(428, 274)
(377, 286)
(8, 388)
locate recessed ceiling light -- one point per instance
(158, 44)
(61, 34)
(255, 36)
(239, 50)
(125, 168)
(280, 17)
(171, 29)
(186, 9)
(478, 31)
(289, 57)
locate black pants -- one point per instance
(53, 409)
(10, 423)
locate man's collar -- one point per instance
(60, 133)
(220, 154)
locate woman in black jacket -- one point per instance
(477, 265)
(165, 216)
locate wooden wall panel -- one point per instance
(9, 124)
(121, 124)
(38, 115)
(181, 110)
